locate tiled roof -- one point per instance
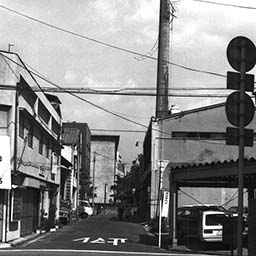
(193, 165)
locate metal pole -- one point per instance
(241, 151)
(105, 195)
(78, 178)
(93, 179)
(160, 204)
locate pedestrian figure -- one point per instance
(120, 212)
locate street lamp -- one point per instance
(9, 46)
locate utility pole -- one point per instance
(162, 90)
(163, 59)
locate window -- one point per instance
(41, 143)
(21, 126)
(214, 219)
(200, 135)
(47, 148)
(30, 136)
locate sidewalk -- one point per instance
(25, 239)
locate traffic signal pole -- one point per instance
(241, 152)
(240, 109)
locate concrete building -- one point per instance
(85, 148)
(30, 149)
(193, 137)
(70, 165)
(103, 168)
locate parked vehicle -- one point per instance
(65, 212)
(84, 209)
(201, 222)
(234, 211)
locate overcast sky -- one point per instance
(199, 38)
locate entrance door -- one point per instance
(30, 211)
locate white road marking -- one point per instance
(115, 241)
(103, 252)
(100, 240)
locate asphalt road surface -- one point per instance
(104, 233)
(97, 236)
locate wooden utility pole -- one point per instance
(162, 91)
(163, 59)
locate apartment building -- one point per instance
(30, 126)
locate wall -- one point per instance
(104, 168)
(28, 175)
(192, 150)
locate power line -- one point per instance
(113, 130)
(82, 99)
(138, 94)
(117, 93)
(97, 106)
(229, 5)
(107, 44)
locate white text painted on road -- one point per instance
(113, 240)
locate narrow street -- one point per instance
(97, 235)
(99, 232)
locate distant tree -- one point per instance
(126, 188)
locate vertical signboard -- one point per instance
(5, 162)
(165, 204)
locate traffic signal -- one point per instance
(241, 55)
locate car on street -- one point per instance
(85, 209)
(65, 212)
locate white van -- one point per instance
(200, 222)
(211, 226)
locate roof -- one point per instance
(214, 174)
(70, 136)
(194, 165)
(195, 110)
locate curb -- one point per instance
(24, 241)
(27, 239)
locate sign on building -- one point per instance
(5, 162)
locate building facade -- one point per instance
(32, 124)
(196, 136)
(103, 167)
(70, 168)
(85, 149)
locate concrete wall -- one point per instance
(104, 168)
(190, 150)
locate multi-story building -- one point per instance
(85, 149)
(71, 158)
(30, 125)
(103, 167)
